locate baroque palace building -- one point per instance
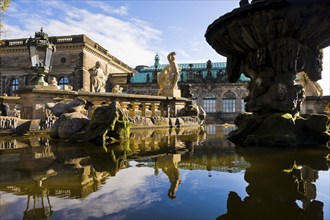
(75, 57)
(205, 83)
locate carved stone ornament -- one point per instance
(271, 41)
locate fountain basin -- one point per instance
(256, 26)
(271, 41)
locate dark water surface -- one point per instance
(162, 174)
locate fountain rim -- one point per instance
(250, 8)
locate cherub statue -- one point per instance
(117, 89)
(53, 82)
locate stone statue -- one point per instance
(173, 70)
(99, 78)
(54, 83)
(117, 89)
(168, 79)
(311, 88)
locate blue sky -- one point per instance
(133, 31)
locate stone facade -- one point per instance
(75, 56)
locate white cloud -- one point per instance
(129, 193)
(196, 44)
(183, 53)
(121, 10)
(127, 39)
(177, 30)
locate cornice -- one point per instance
(96, 52)
(23, 49)
(106, 57)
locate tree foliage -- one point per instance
(4, 5)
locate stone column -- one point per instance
(86, 86)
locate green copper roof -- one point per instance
(185, 66)
(218, 71)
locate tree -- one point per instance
(4, 5)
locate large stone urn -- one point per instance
(271, 41)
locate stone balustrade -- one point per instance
(7, 122)
(32, 101)
(143, 111)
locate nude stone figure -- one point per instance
(99, 78)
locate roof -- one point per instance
(185, 66)
(218, 70)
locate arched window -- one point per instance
(63, 82)
(228, 102)
(209, 103)
(14, 85)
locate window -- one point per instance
(209, 103)
(242, 105)
(245, 94)
(63, 81)
(228, 102)
(14, 85)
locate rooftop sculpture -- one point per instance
(270, 41)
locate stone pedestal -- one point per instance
(34, 98)
(172, 92)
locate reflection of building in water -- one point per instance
(149, 141)
(224, 129)
(65, 171)
(216, 136)
(169, 165)
(274, 189)
(213, 159)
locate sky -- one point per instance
(133, 31)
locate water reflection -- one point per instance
(45, 170)
(169, 165)
(277, 180)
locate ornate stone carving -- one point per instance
(311, 88)
(168, 79)
(270, 41)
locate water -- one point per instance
(163, 174)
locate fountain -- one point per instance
(271, 41)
